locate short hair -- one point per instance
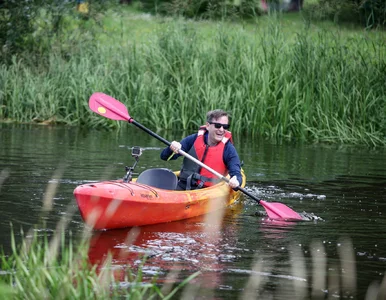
(216, 114)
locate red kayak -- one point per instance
(152, 198)
(119, 204)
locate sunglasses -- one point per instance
(219, 125)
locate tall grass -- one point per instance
(38, 270)
(317, 85)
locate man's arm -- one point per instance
(232, 161)
(186, 144)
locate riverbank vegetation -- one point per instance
(280, 76)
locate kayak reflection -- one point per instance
(201, 243)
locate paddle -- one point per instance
(111, 108)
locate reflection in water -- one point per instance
(3, 176)
(197, 244)
(276, 229)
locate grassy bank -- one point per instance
(280, 77)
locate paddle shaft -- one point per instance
(183, 153)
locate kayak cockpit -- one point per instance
(159, 178)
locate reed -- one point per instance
(37, 270)
(315, 85)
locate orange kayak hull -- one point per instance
(115, 204)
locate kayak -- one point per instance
(148, 200)
(152, 198)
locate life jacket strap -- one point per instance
(192, 180)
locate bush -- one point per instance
(368, 13)
(15, 24)
(21, 32)
(207, 9)
(373, 12)
(29, 26)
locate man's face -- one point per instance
(215, 135)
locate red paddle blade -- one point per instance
(277, 210)
(108, 107)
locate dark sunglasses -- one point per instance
(219, 125)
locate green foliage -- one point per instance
(33, 27)
(15, 24)
(26, 24)
(369, 13)
(373, 12)
(207, 9)
(317, 87)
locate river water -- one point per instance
(340, 253)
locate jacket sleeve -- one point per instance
(232, 161)
(186, 144)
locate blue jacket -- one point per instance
(230, 157)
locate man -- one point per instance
(212, 145)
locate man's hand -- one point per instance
(175, 146)
(233, 182)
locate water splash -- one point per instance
(275, 193)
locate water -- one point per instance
(344, 187)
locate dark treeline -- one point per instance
(18, 17)
(25, 25)
(368, 13)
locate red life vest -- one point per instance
(212, 156)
